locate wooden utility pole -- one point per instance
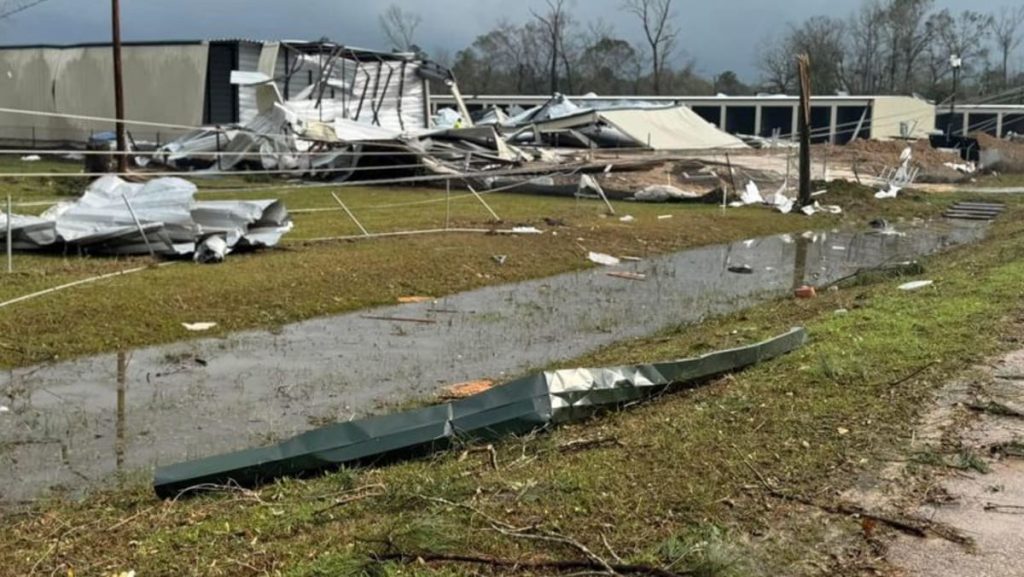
(804, 65)
(122, 156)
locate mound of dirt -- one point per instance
(873, 156)
(1010, 154)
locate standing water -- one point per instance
(74, 423)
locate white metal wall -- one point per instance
(248, 61)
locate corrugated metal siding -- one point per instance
(248, 61)
(389, 94)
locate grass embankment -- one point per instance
(674, 483)
(302, 280)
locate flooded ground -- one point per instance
(71, 424)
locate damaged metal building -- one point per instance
(194, 86)
(835, 119)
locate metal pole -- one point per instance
(122, 158)
(952, 101)
(448, 204)
(138, 223)
(10, 242)
(350, 215)
(804, 115)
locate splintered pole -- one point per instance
(122, 157)
(804, 64)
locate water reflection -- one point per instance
(74, 422)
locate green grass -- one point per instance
(302, 280)
(679, 485)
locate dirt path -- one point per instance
(974, 420)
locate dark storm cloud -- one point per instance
(719, 35)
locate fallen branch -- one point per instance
(997, 409)
(348, 497)
(1009, 509)
(400, 319)
(910, 525)
(518, 565)
(489, 449)
(587, 444)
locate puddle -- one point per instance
(74, 423)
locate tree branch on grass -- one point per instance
(905, 524)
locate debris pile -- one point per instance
(1001, 155)
(160, 217)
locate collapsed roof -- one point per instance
(561, 122)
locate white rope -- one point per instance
(80, 283)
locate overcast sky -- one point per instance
(719, 35)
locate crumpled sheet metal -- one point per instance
(100, 222)
(519, 407)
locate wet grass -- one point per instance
(677, 482)
(302, 280)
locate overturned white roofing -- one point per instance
(675, 128)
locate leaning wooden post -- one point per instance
(804, 65)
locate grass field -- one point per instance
(301, 279)
(676, 483)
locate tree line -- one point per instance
(883, 47)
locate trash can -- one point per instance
(101, 163)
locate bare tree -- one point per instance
(822, 38)
(908, 37)
(554, 22)
(774, 58)
(865, 44)
(661, 33)
(1006, 28)
(400, 27)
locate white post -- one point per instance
(350, 215)
(483, 202)
(138, 223)
(447, 203)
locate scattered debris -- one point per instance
(4, 409)
(916, 285)
(411, 300)
(628, 218)
(962, 167)
(603, 259)
(664, 193)
(741, 269)
(628, 275)
(526, 230)
(805, 292)
(198, 327)
(467, 389)
(31, 158)
(501, 259)
(891, 191)
(213, 250)
(399, 319)
(665, 217)
(812, 209)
